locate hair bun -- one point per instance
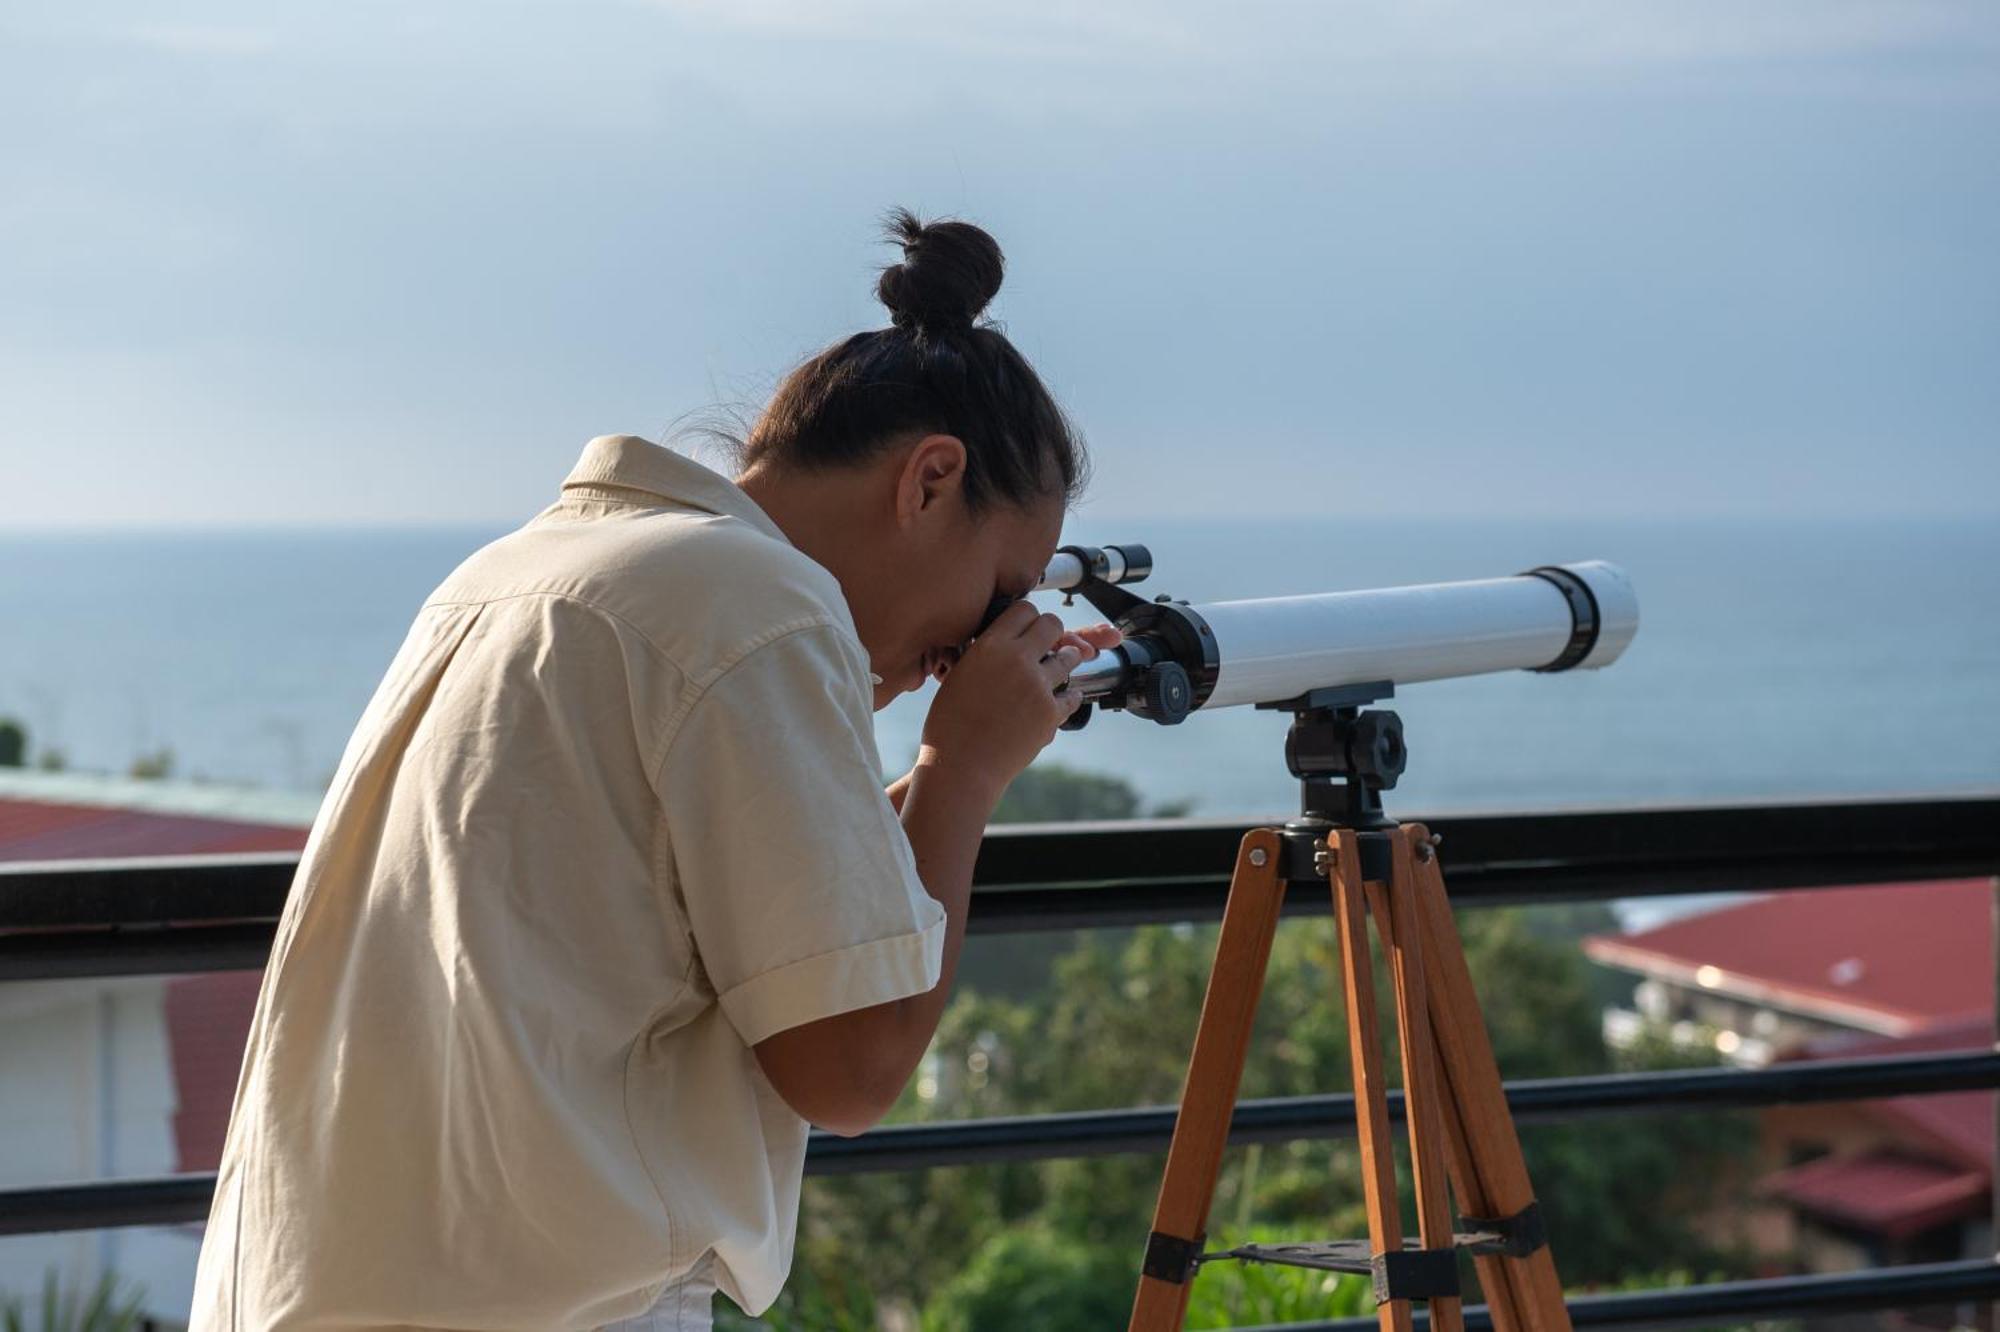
(950, 270)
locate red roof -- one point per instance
(45, 830)
(1892, 1196)
(1891, 958)
(208, 1020)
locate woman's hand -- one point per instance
(997, 705)
(1093, 639)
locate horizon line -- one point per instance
(411, 526)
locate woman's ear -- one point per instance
(932, 472)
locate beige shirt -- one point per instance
(614, 815)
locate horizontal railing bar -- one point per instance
(1956, 834)
(1149, 1129)
(1914, 1286)
(104, 1204)
(144, 890)
(185, 1198)
(69, 954)
(1295, 1118)
(189, 946)
(81, 918)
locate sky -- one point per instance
(268, 264)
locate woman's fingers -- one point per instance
(1015, 621)
(1094, 639)
(1045, 640)
(1059, 663)
(1044, 632)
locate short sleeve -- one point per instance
(798, 882)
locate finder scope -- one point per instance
(1075, 566)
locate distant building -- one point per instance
(1781, 971)
(1839, 973)
(1900, 1180)
(124, 1076)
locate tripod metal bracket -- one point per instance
(1416, 1274)
(1171, 1258)
(1411, 1274)
(1350, 1256)
(1514, 1236)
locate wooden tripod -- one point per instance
(1452, 1092)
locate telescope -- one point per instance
(1282, 652)
(1324, 658)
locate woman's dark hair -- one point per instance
(933, 370)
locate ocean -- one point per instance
(1775, 658)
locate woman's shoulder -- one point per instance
(698, 586)
(703, 585)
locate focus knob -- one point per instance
(1167, 696)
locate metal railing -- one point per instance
(204, 913)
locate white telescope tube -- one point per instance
(1278, 648)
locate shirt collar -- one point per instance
(640, 464)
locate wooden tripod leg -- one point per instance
(1502, 1300)
(1397, 919)
(1208, 1096)
(1364, 1032)
(1494, 1179)
(1493, 1280)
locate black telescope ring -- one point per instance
(1584, 618)
(1165, 631)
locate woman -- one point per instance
(606, 902)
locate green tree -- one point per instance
(1054, 793)
(1032, 1276)
(154, 766)
(13, 743)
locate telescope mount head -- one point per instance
(1345, 756)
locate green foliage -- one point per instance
(59, 1311)
(154, 766)
(1035, 1277)
(13, 743)
(1236, 1294)
(1053, 792)
(845, 1303)
(1618, 1192)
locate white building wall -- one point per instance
(87, 1092)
